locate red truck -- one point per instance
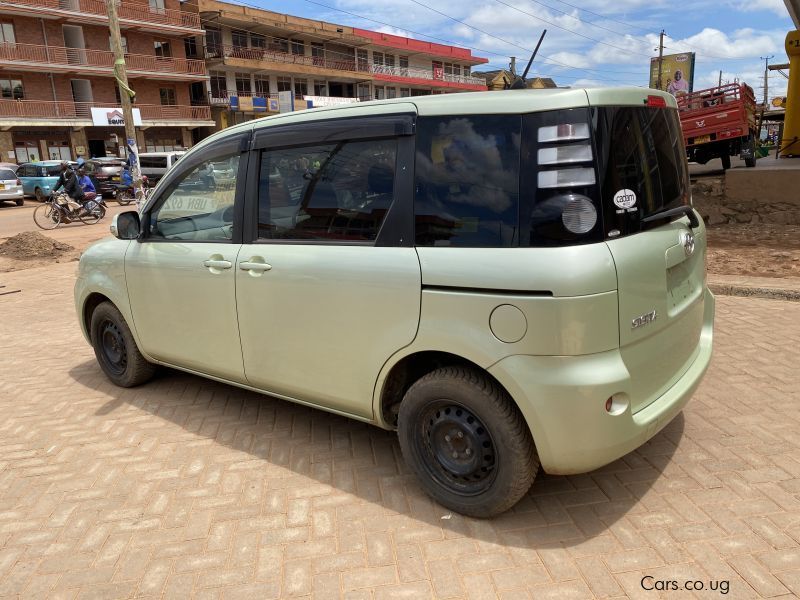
(720, 122)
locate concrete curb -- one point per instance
(754, 292)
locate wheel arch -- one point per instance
(92, 301)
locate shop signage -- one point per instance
(113, 117)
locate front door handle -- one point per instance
(254, 266)
(212, 263)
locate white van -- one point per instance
(155, 164)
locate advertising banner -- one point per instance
(677, 73)
(113, 117)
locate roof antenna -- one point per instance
(519, 82)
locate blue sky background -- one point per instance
(601, 43)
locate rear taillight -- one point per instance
(656, 102)
(19, 182)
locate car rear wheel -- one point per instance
(115, 348)
(20, 202)
(40, 195)
(467, 442)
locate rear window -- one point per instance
(642, 152)
(6, 174)
(153, 162)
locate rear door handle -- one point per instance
(256, 267)
(218, 264)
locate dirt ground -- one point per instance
(761, 250)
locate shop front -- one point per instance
(35, 144)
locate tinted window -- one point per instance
(640, 149)
(153, 162)
(338, 191)
(467, 181)
(53, 171)
(6, 174)
(199, 205)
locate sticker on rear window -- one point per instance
(626, 200)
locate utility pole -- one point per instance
(660, 59)
(126, 95)
(766, 60)
(513, 66)
(720, 78)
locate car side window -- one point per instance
(340, 191)
(199, 205)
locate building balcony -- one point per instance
(97, 62)
(132, 15)
(434, 77)
(260, 58)
(265, 58)
(35, 112)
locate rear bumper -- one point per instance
(563, 401)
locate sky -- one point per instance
(588, 42)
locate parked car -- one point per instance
(9, 165)
(10, 186)
(39, 178)
(104, 173)
(155, 164)
(508, 279)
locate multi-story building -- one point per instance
(58, 95)
(254, 54)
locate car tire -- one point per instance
(726, 162)
(750, 162)
(39, 194)
(115, 348)
(467, 442)
(20, 202)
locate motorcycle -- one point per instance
(125, 194)
(60, 208)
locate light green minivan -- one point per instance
(508, 279)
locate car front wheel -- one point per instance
(467, 442)
(115, 348)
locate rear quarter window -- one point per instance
(467, 181)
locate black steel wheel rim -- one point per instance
(113, 347)
(457, 449)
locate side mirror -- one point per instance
(126, 225)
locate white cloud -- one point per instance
(776, 6)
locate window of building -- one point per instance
(363, 92)
(58, 150)
(239, 38)
(167, 95)
(391, 92)
(448, 68)
(362, 60)
(467, 180)
(457, 70)
(199, 206)
(318, 49)
(7, 34)
(389, 60)
(300, 87)
(377, 58)
(335, 192)
(258, 41)
(12, 88)
(26, 151)
(380, 92)
(279, 44)
(117, 97)
(190, 47)
(163, 49)
(298, 47)
(403, 62)
(156, 5)
(284, 84)
(213, 42)
(218, 84)
(320, 88)
(243, 83)
(262, 85)
(405, 92)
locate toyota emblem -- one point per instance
(687, 241)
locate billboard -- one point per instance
(677, 73)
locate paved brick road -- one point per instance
(189, 488)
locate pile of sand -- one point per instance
(32, 244)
